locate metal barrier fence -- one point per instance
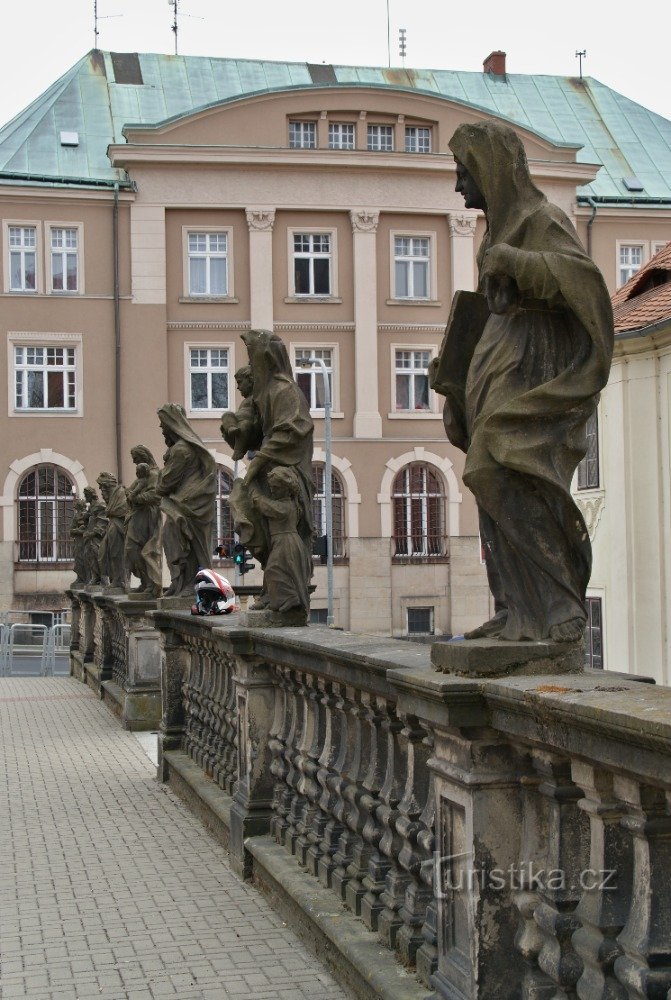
(31, 638)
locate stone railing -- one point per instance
(500, 838)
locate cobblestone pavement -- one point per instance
(109, 887)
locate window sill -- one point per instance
(45, 413)
(319, 415)
(65, 295)
(325, 300)
(434, 303)
(206, 414)
(219, 299)
(23, 294)
(414, 415)
(55, 564)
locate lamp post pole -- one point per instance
(328, 492)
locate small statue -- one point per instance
(77, 529)
(143, 524)
(94, 533)
(187, 487)
(241, 430)
(522, 364)
(112, 558)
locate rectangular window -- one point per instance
(319, 616)
(302, 135)
(417, 139)
(23, 258)
(208, 264)
(420, 621)
(381, 138)
(412, 380)
(341, 135)
(588, 469)
(208, 376)
(311, 380)
(312, 263)
(594, 634)
(64, 259)
(631, 261)
(411, 267)
(45, 378)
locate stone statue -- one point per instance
(143, 524)
(77, 529)
(96, 528)
(112, 559)
(187, 487)
(281, 430)
(534, 352)
(241, 430)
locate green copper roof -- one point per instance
(627, 139)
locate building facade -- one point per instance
(155, 207)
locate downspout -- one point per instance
(590, 223)
(117, 332)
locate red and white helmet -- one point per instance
(214, 594)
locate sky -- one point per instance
(41, 40)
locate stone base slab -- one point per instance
(265, 618)
(498, 658)
(138, 710)
(174, 603)
(209, 802)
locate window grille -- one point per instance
(338, 505)
(46, 500)
(419, 513)
(594, 633)
(223, 519)
(588, 469)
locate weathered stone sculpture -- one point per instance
(96, 528)
(143, 524)
(273, 515)
(187, 487)
(112, 558)
(77, 529)
(241, 430)
(522, 364)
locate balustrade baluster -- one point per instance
(417, 857)
(349, 786)
(330, 777)
(309, 765)
(277, 745)
(297, 761)
(323, 769)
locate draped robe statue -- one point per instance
(94, 533)
(534, 356)
(77, 529)
(112, 558)
(143, 524)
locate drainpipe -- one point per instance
(590, 223)
(117, 333)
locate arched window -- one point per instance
(46, 496)
(223, 522)
(419, 513)
(319, 508)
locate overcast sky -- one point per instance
(41, 39)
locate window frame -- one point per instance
(36, 224)
(45, 340)
(379, 126)
(423, 555)
(583, 463)
(433, 410)
(50, 225)
(644, 246)
(295, 296)
(590, 599)
(49, 563)
(303, 122)
(416, 128)
(341, 125)
(209, 412)
(217, 537)
(339, 530)
(335, 373)
(188, 295)
(420, 607)
(432, 268)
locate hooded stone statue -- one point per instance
(532, 379)
(112, 558)
(187, 487)
(143, 524)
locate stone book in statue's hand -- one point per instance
(448, 372)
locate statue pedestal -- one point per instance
(498, 658)
(265, 618)
(175, 603)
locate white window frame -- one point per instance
(303, 123)
(656, 246)
(432, 268)
(645, 256)
(374, 131)
(209, 346)
(48, 227)
(190, 296)
(47, 340)
(316, 372)
(312, 296)
(433, 411)
(409, 129)
(341, 126)
(35, 224)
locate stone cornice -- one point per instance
(233, 324)
(304, 327)
(412, 327)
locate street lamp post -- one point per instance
(328, 491)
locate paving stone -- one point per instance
(110, 888)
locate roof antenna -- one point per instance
(175, 23)
(97, 18)
(388, 38)
(580, 56)
(402, 44)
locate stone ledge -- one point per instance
(354, 954)
(203, 797)
(497, 658)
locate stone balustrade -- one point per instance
(496, 839)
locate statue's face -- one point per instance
(466, 186)
(89, 494)
(106, 490)
(245, 384)
(167, 436)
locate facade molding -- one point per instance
(444, 466)
(591, 507)
(364, 220)
(352, 496)
(315, 327)
(412, 327)
(463, 223)
(21, 465)
(260, 219)
(234, 324)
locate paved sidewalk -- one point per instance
(109, 887)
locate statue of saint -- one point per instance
(143, 524)
(241, 430)
(112, 558)
(96, 528)
(282, 430)
(534, 352)
(77, 529)
(187, 488)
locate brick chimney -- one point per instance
(495, 63)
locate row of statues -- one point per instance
(168, 512)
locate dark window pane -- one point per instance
(219, 390)
(199, 390)
(55, 396)
(322, 277)
(302, 275)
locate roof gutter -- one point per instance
(584, 199)
(590, 223)
(128, 185)
(638, 333)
